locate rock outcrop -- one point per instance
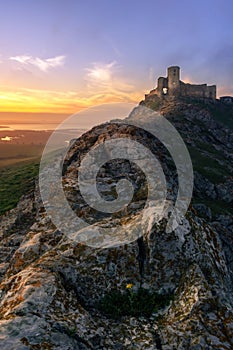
(51, 285)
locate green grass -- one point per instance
(153, 102)
(19, 165)
(210, 148)
(217, 207)
(142, 302)
(221, 112)
(207, 166)
(16, 181)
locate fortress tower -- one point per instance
(173, 76)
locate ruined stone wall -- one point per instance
(172, 86)
(162, 86)
(202, 90)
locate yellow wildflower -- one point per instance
(129, 285)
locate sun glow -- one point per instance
(29, 100)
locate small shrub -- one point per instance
(133, 303)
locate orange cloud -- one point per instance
(102, 83)
(30, 100)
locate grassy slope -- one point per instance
(16, 181)
(206, 160)
(211, 164)
(222, 113)
(19, 165)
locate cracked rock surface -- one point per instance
(50, 285)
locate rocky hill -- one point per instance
(163, 290)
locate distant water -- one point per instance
(25, 126)
(83, 120)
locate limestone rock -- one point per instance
(51, 285)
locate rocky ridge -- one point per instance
(51, 285)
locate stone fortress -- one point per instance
(172, 86)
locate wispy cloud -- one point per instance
(101, 73)
(42, 64)
(103, 83)
(107, 78)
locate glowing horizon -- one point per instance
(42, 101)
(86, 55)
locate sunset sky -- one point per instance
(64, 55)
